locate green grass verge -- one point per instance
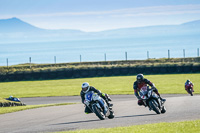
(3, 100)
(166, 84)
(174, 127)
(4, 110)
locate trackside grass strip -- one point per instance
(4, 110)
(174, 127)
(166, 84)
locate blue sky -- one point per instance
(99, 15)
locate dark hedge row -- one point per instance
(98, 72)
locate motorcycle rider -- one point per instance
(142, 82)
(11, 98)
(86, 88)
(188, 85)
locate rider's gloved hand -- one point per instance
(86, 102)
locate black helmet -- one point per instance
(140, 77)
(188, 81)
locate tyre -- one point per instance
(98, 112)
(112, 115)
(190, 92)
(163, 110)
(153, 106)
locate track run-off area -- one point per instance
(180, 107)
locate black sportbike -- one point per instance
(152, 100)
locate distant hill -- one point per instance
(15, 30)
(160, 30)
(16, 25)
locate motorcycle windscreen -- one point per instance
(143, 90)
(96, 97)
(88, 96)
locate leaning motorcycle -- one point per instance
(152, 100)
(98, 106)
(189, 89)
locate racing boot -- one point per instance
(108, 97)
(110, 104)
(162, 99)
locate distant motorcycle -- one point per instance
(189, 89)
(15, 99)
(98, 106)
(152, 100)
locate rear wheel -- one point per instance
(154, 107)
(98, 112)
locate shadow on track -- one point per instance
(76, 122)
(134, 116)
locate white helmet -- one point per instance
(85, 87)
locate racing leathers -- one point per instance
(138, 85)
(103, 95)
(189, 85)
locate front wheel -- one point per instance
(190, 91)
(154, 107)
(163, 110)
(98, 112)
(112, 115)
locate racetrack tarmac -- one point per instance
(72, 117)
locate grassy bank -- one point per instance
(20, 108)
(121, 63)
(175, 127)
(166, 84)
(3, 100)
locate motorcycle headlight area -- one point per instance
(143, 97)
(154, 95)
(95, 97)
(149, 93)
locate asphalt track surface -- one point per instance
(72, 117)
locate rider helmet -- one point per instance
(85, 87)
(188, 81)
(140, 77)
